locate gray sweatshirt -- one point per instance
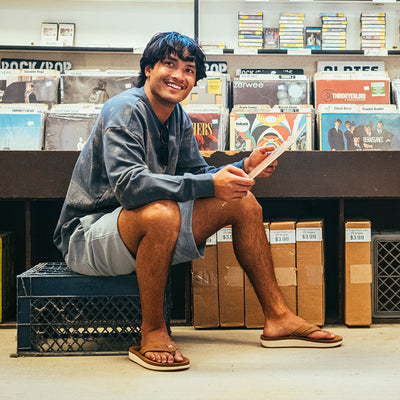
(119, 164)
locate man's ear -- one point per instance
(147, 70)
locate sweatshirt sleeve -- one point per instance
(131, 166)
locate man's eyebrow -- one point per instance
(189, 59)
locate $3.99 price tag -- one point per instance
(358, 235)
(309, 234)
(282, 236)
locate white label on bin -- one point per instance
(224, 235)
(212, 240)
(267, 233)
(358, 235)
(283, 236)
(309, 234)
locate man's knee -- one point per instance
(163, 215)
(250, 206)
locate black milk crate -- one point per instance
(386, 275)
(60, 312)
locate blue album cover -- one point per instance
(359, 131)
(21, 131)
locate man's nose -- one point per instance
(177, 73)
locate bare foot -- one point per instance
(287, 324)
(161, 337)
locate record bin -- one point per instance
(60, 312)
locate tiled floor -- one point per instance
(225, 364)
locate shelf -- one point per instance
(76, 49)
(316, 175)
(68, 49)
(312, 52)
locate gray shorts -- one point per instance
(97, 248)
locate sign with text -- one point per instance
(217, 66)
(15, 63)
(349, 66)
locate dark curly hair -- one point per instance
(164, 44)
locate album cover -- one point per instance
(95, 87)
(271, 38)
(313, 37)
(250, 130)
(360, 131)
(396, 92)
(21, 131)
(209, 126)
(351, 87)
(271, 89)
(49, 35)
(212, 90)
(66, 34)
(270, 71)
(67, 127)
(29, 86)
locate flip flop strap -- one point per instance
(164, 348)
(305, 330)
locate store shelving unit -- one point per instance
(332, 185)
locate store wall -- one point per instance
(98, 23)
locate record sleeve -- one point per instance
(209, 127)
(66, 34)
(214, 89)
(95, 87)
(356, 87)
(49, 34)
(270, 71)
(67, 127)
(359, 131)
(29, 86)
(251, 129)
(271, 90)
(21, 130)
(271, 38)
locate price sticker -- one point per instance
(245, 51)
(309, 234)
(299, 52)
(285, 236)
(212, 240)
(358, 235)
(224, 235)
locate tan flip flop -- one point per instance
(299, 338)
(136, 354)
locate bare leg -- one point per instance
(252, 251)
(150, 233)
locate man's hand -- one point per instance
(258, 155)
(231, 183)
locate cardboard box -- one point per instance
(283, 250)
(231, 282)
(205, 287)
(358, 273)
(310, 271)
(253, 313)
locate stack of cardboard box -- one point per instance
(223, 295)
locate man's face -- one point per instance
(337, 124)
(170, 80)
(379, 125)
